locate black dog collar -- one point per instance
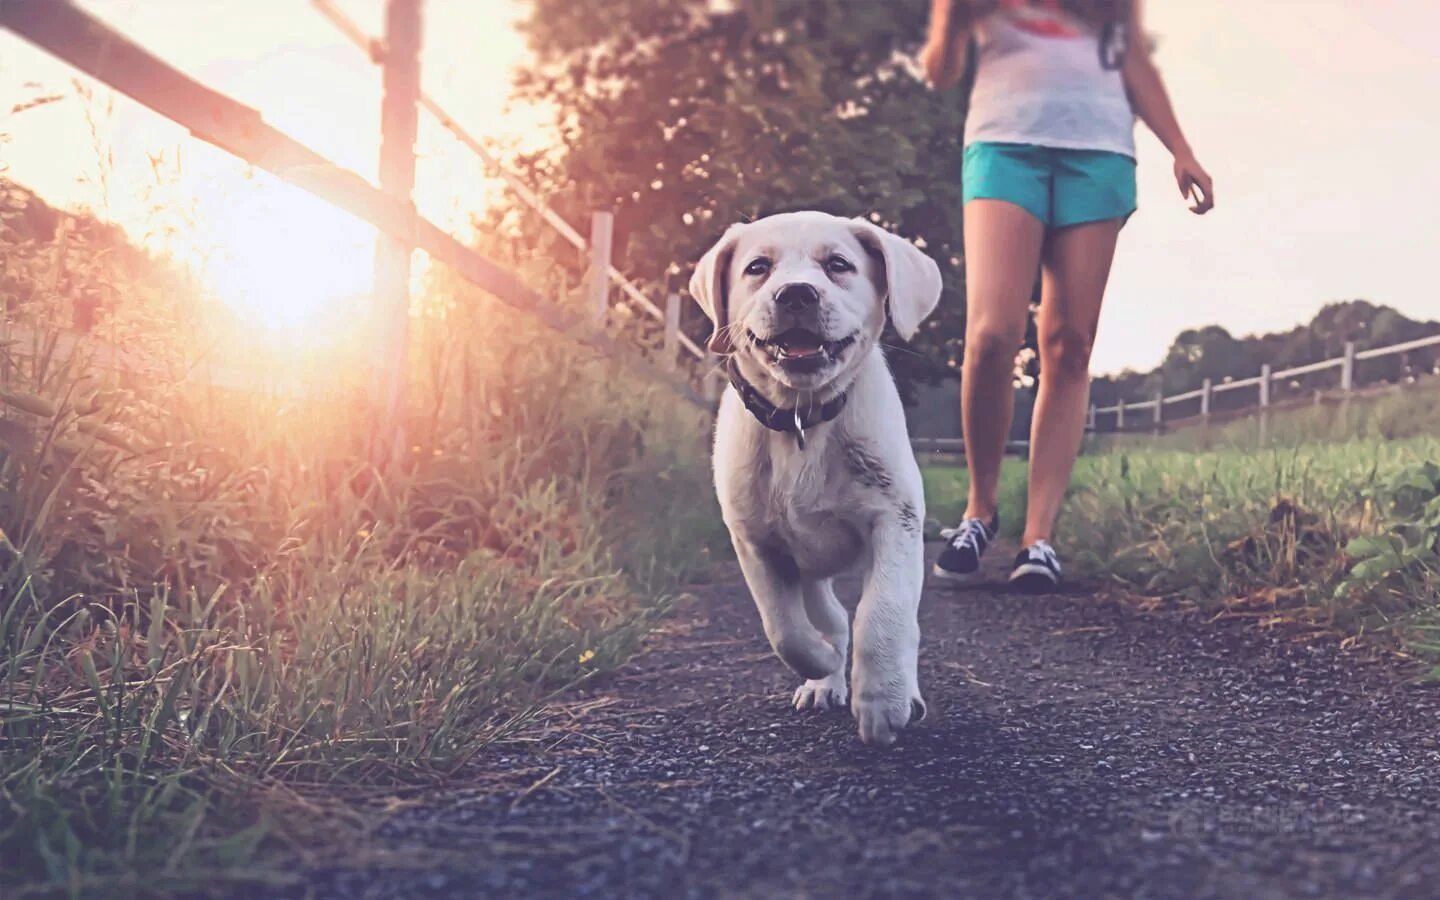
(794, 421)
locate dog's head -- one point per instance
(803, 296)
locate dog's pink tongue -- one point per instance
(800, 348)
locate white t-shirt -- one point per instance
(1039, 79)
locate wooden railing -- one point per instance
(597, 247)
(73, 35)
(1151, 413)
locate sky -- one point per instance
(1315, 117)
(1318, 120)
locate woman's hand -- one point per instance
(1195, 184)
(942, 65)
(946, 46)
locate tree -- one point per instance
(1200, 353)
(683, 118)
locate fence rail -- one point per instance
(956, 446)
(1264, 381)
(376, 50)
(64, 30)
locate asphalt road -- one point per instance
(1076, 747)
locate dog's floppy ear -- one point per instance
(710, 287)
(912, 279)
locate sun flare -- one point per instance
(283, 259)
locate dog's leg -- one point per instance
(776, 585)
(885, 679)
(833, 621)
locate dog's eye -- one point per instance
(838, 265)
(757, 266)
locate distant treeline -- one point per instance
(1214, 353)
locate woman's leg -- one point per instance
(1075, 268)
(1002, 253)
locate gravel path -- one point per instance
(1076, 748)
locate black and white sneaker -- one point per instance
(1037, 569)
(960, 560)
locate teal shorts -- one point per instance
(1059, 187)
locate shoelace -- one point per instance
(1043, 552)
(967, 534)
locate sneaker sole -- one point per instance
(957, 578)
(1033, 579)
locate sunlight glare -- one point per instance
(283, 259)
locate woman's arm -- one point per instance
(1152, 104)
(943, 57)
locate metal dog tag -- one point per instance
(799, 430)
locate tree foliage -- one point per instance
(683, 117)
(1212, 352)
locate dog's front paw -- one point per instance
(822, 693)
(881, 716)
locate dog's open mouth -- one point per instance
(802, 350)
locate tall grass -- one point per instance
(212, 598)
(1332, 523)
(1261, 529)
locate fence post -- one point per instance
(710, 381)
(1159, 409)
(1090, 419)
(672, 331)
(1347, 368)
(399, 119)
(1206, 388)
(597, 284)
(1120, 414)
(1264, 404)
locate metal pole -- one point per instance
(1206, 388)
(1090, 419)
(399, 118)
(1159, 409)
(597, 284)
(1120, 414)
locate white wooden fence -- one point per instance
(85, 42)
(597, 248)
(1263, 382)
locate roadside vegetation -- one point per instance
(1334, 525)
(215, 612)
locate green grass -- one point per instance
(217, 618)
(1277, 532)
(946, 490)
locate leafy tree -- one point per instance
(683, 117)
(1200, 353)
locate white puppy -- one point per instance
(813, 465)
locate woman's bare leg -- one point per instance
(1002, 254)
(1075, 268)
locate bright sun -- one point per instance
(281, 258)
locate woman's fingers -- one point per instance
(1206, 201)
(1196, 186)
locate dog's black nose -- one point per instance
(797, 297)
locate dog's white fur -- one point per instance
(852, 496)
